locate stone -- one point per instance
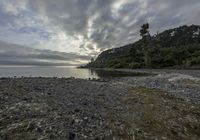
(72, 136)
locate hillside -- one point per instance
(173, 48)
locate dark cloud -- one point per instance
(12, 54)
(90, 26)
(110, 26)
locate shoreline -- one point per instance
(163, 106)
(191, 72)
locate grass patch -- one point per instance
(146, 90)
(154, 112)
(189, 81)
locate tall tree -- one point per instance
(146, 37)
(92, 60)
(144, 31)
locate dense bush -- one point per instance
(175, 48)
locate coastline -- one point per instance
(163, 106)
(191, 72)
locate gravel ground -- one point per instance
(165, 106)
(186, 86)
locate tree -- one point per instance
(92, 60)
(146, 37)
(144, 32)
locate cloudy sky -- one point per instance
(70, 32)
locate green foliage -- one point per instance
(194, 61)
(134, 65)
(174, 48)
(144, 31)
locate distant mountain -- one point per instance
(174, 48)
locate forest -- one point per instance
(173, 48)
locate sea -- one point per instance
(47, 71)
(67, 72)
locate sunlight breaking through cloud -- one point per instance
(86, 27)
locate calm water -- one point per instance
(47, 72)
(61, 72)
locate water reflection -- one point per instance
(112, 73)
(47, 72)
(62, 72)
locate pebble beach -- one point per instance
(163, 106)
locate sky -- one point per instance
(70, 32)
